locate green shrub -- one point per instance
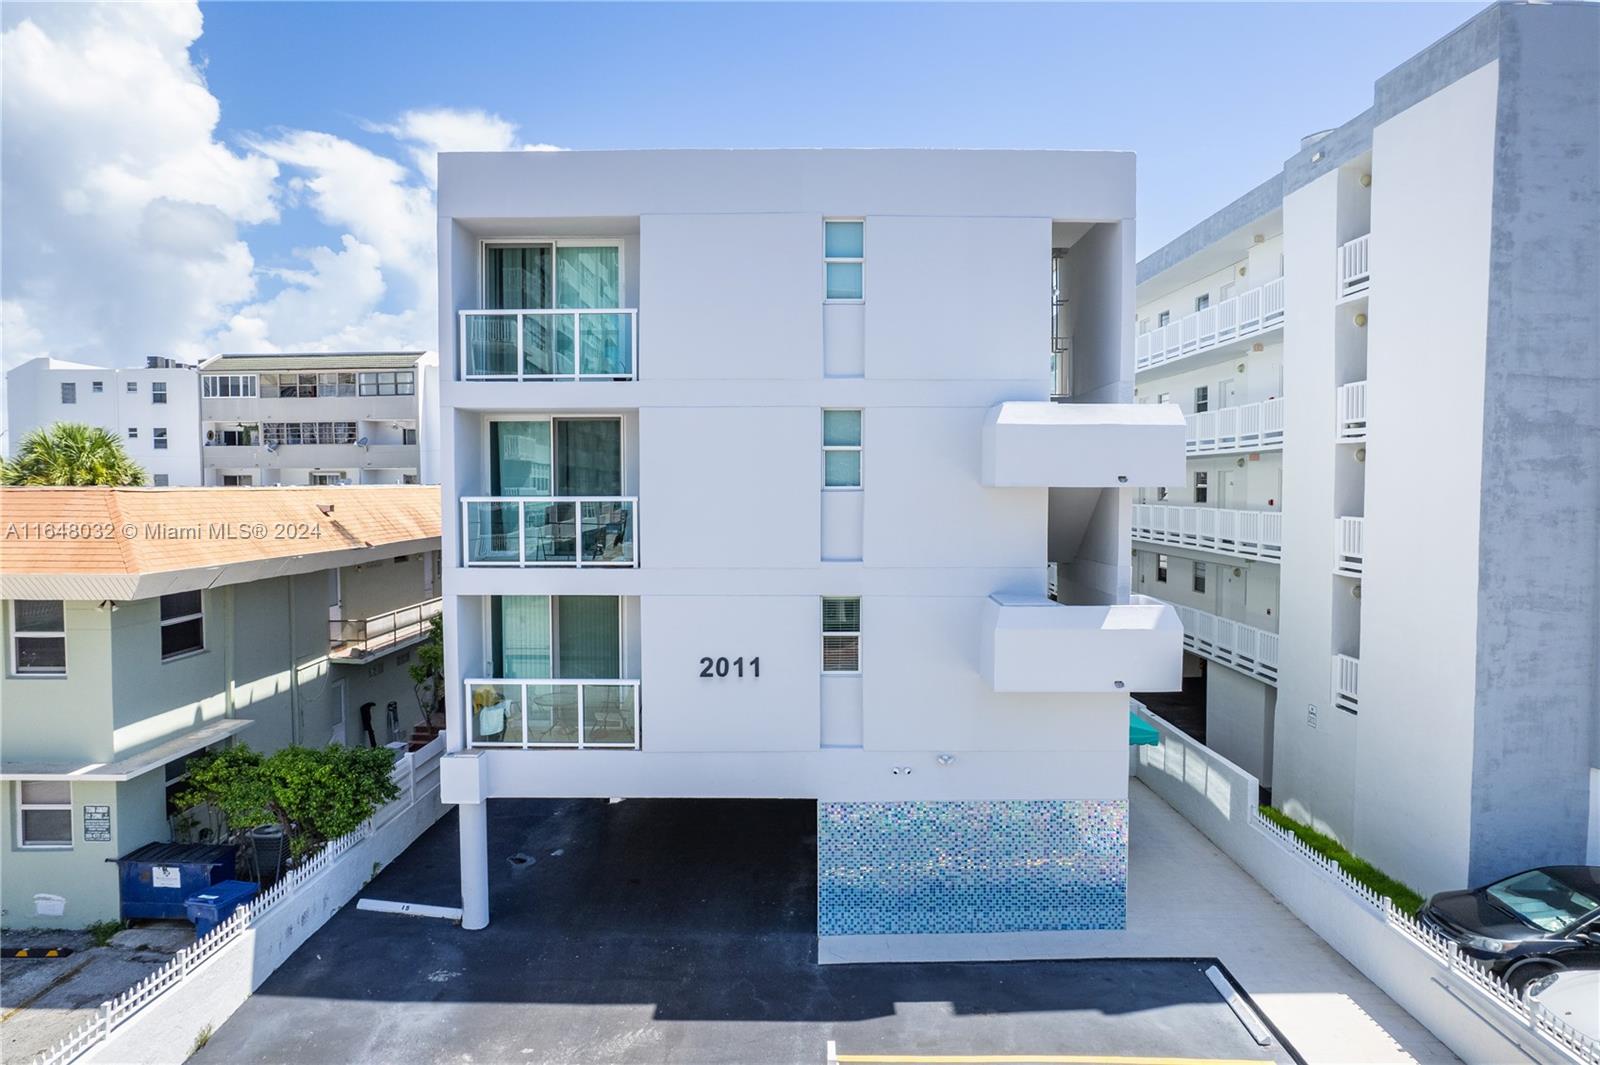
(1359, 869)
(102, 931)
(313, 794)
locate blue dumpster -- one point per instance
(155, 880)
(212, 906)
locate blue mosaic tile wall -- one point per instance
(1009, 866)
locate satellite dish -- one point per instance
(362, 442)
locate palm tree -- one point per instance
(70, 453)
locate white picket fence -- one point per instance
(417, 774)
(1469, 1009)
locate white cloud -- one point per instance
(126, 219)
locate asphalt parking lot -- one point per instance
(680, 931)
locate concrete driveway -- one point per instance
(680, 931)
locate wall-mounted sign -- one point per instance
(96, 824)
(165, 876)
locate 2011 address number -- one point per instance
(718, 668)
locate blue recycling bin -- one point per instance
(156, 879)
(212, 906)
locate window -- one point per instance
(133, 432)
(1202, 399)
(1202, 301)
(408, 436)
(389, 383)
(159, 480)
(410, 478)
(1163, 318)
(97, 387)
(69, 392)
(841, 635)
(230, 386)
(1200, 577)
(842, 259)
(841, 449)
(44, 813)
(240, 435)
(133, 386)
(176, 773)
(280, 433)
(1200, 485)
(334, 477)
(158, 439)
(38, 637)
(158, 391)
(238, 480)
(182, 624)
(1161, 569)
(1161, 495)
(1164, 397)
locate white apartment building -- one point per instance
(754, 487)
(319, 418)
(1385, 546)
(154, 408)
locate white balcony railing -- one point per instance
(1352, 403)
(549, 345)
(1242, 533)
(1355, 266)
(360, 637)
(1232, 643)
(1249, 427)
(548, 531)
(1349, 547)
(1235, 318)
(553, 713)
(1346, 682)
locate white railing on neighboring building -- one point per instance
(565, 344)
(1235, 318)
(549, 531)
(1248, 427)
(1243, 533)
(518, 713)
(1346, 681)
(1231, 643)
(1352, 405)
(1355, 266)
(1349, 548)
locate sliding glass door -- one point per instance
(545, 279)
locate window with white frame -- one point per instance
(408, 436)
(158, 391)
(133, 386)
(841, 449)
(843, 258)
(330, 477)
(1163, 318)
(1202, 399)
(1202, 301)
(182, 624)
(1161, 569)
(133, 432)
(158, 439)
(158, 480)
(38, 637)
(1201, 485)
(280, 433)
(1200, 577)
(69, 392)
(841, 635)
(389, 383)
(238, 480)
(228, 385)
(44, 813)
(1164, 397)
(97, 387)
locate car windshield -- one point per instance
(1541, 900)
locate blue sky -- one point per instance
(182, 179)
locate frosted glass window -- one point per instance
(841, 448)
(843, 259)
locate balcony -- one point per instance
(1241, 533)
(549, 345)
(1347, 682)
(1355, 267)
(1352, 408)
(1245, 315)
(1081, 445)
(357, 640)
(549, 531)
(1031, 644)
(1349, 546)
(1230, 643)
(1249, 427)
(574, 714)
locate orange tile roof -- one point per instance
(135, 531)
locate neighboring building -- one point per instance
(1385, 544)
(143, 626)
(153, 408)
(753, 481)
(319, 418)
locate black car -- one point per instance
(1527, 925)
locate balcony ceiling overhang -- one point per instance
(1039, 444)
(1034, 644)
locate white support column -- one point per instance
(473, 825)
